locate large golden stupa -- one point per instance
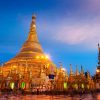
(32, 70)
(31, 56)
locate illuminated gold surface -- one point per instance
(31, 56)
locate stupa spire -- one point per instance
(98, 67)
(82, 70)
(71, 71)
(77, 73)
(32, 34)
(98, 55)
(60, 65)
(31, 48)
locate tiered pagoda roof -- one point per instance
(31, 48)
(31, 53)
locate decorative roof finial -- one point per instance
(32, 34)
(82, 71)
(71, 71)
(77, 73)
(33, 17)
(60, 63)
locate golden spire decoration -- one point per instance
(82, 71)
(32, 34)
(71, 71)
(77, 73)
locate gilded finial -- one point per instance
(82, 71)
(33, 17)
(71, 71)
(77, 73)
(60, 63)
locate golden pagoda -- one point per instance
(31, 57)
(31, 69)
(97, 74)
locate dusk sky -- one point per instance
(68, 30)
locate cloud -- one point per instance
(92, 6)
(83, 33)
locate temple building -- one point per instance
(61, 79)
(75, 81)
(32, 70)
(30, 62)
(97, 75)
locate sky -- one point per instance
(68, 30)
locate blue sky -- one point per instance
(68, 30)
